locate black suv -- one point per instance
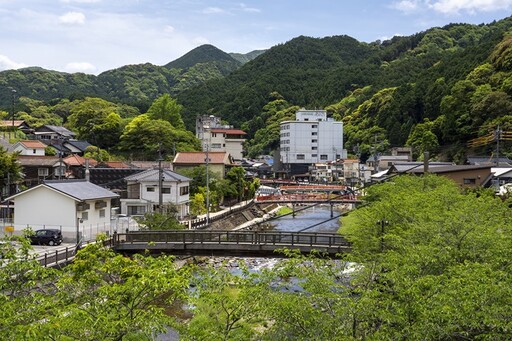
(46, 236)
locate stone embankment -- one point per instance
(252, 213)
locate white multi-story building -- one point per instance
(311, 138)
(219, 138)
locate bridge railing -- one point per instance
(232, 237)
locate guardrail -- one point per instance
(59, 257)
(228, 242)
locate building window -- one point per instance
(314, 155)
(216, 145)
(314, 126)
(214, 134)
(136, 210)
(85, 216)
(314, 133)
(300, 157)
(150, 189)
(314, 148)
(314, 141)
(184, 190)
(60, 171)
(323, 157)
(470, 181)
(102, 213)
(166, 190)
(43, 171)
(33, 151)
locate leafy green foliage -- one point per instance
(160, 221)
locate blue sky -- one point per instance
(93, 36)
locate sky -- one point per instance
(93, 36)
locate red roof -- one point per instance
(32, 144)
(77, 160)
(200, 157)
(228, 131)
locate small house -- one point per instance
(80, 209)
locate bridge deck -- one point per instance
(247, 243)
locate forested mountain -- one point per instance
(434, 90)
(136, 85)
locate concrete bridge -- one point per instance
(229, 243)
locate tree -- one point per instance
(10, 171)
(107, 296)
(159, 221)
(435, 238)
(143, 137)
(224, 307)
(167, 109)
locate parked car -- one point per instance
(46, 237)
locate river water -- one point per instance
(315, 219)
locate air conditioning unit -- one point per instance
(82, 206)
(100, 204)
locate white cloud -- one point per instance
(249, 9)
(8, 64)
(72, 18)
(80, 67)
(406, 6)
(213, 10)
(169, 29)
(470, 6)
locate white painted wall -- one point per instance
(29, 151)
(45, 208)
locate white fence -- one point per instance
(86, 232)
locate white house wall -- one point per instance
(42, 206)
(45, 208)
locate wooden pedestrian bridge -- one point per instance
(229, 243)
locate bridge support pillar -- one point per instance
(293, 210)
(332, 210)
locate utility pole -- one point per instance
(160, 179)
(382, 224)
(13, 92)
(207, 160)
(498, 137)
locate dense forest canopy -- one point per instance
(434, 90)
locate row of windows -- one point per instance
(303, 156)
(287, 126)
(284, 134)
(167, 190)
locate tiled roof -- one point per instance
(81, 145)
(80, 189)
(198, 158)
(77, 160)
(32, 144)
(150, 164)
(152, 175)
(29, 160)
(57, 129)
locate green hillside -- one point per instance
(434, 90)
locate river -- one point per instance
(309, 220)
